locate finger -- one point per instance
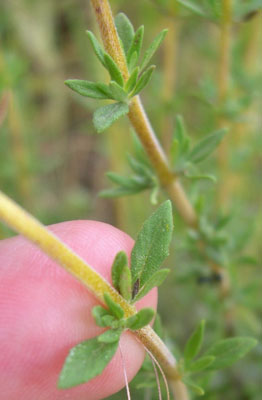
(44, 312)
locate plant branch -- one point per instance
(140, 122)
(22, 222)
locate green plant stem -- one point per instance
(22, 222)
(140, 122)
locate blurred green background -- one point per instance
(53, 163)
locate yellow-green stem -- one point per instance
(22, 222)
(140, 122)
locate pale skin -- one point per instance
(44, 312)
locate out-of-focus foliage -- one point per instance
(53, 163)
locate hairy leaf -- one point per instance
(140, 319)
(192, 385)
(143, 80)
(131, 83)
(125, 283)
(105, 116)
(115, 308)
(136, 44)
(113, 70)
(153, 48)
(155, 280)
(110, 336)
(194, 343)
(89, 89)
(85, 361)
(152, 244)
(125, 30)
(200, 364)
(119, 263)
(228, 351)
(99, 313)
(98, 49)
(206, 146)
(117, 92)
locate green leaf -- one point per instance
(120, 180)
(119, 263)
(89, 89)
(125, 30)
(105, 116)
(113, 70)
(200, 364)
(192, 172)
(140, 319)
(131, 83)
(181, 141)
(152, 244)
(197, 389)
(153, 48)
(228, 351)
(111, 321)
(136, 44)
(110, 336)
(143, 80)
(99, 313)
(98, 49)
(119, 192)
(194, 343)
(133, 61)
(193, 7)
(155, 280)
(206, 146)
(117, 92)
(115, 308)
(85, 361)
(125, 283)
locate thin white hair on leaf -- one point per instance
(125, 374)
(160, 369)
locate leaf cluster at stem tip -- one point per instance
(117, 89)
(89, 358)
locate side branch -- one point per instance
(22, 222)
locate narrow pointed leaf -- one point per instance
(85, 361)
(201, 364)
(193, 7)
(117, 92)
(152, 244)
(125, 30)
(206, 146)
(153, 48)
(99, 313)
(141, 319)
(119, 263)
(125, 283)
(113, 70)
(115, 308)
(133, 61)
(143, 80)
(136, 44)
(98, 49)
(105, 116)
(89, 89)
(180, 134)
(131, 83)
(194, 343)
(155, 280)
(110, 336)
(228, 351)
(120, 180)
(195, 388)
